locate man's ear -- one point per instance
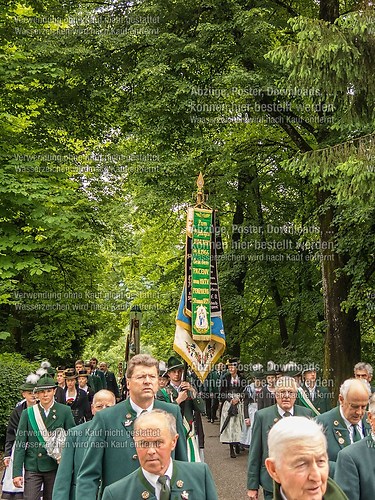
(341, 399)
(174, 441)
(270, 465)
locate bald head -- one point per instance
(102, 399)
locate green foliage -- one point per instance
(14, 370)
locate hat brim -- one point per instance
(180, 366)
(44, 387)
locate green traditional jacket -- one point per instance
(190, 481)
(111, 453)
(337, 434)
(28, 451)
(263, 421)
(355, 469)
(322, 400)
(75, 448)
(187, 407)
(334, 492)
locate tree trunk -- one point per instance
(342, 339)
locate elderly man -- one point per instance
(355, 466)
(33, 431)
(364, 371)
(111, 453)
(285, 407)
(75, 448)
(346, 423)
(159, 476)
(298, 462)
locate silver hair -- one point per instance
(157, 415)
(347, 384)
(371, 406)
(289, 431)
(364, 366)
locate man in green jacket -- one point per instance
(33, 431)
(347, 423)
(355, 466)
(159, 476)
(257, 475)
(75, 447)
(298, 462)
(111, 455)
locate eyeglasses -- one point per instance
(141, 378)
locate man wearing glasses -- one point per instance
(75, 448)
(111, 453)
(347, 423)
(35, 424)
(257, 475)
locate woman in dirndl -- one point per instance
(250, 395)
(232, 415)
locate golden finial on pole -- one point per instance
(200, 192)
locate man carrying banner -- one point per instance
(181, 392)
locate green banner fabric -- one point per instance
(200, 274)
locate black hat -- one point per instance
(70, 374)
(174, 363)
(232, 361)
(82, 373)
(45, 382)
(163, 373)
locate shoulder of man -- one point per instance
(334, 492)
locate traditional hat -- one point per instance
(292, 369)
(232, 361)
(82, 373)
(30, 382)
(60, 369)
(87, 364)
(163, 373)
(70, 374)
(174, 363)
(45, 382)
(46, 365)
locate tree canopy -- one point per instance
(110, 110)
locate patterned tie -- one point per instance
(355, 435)
(165, 492)
(287, 414)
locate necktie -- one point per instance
(165, 491)
(356, 435)
(287, 414)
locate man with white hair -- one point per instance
(355, 466)
(345, 424)
(298, 462)
(364, 371)
(159, 476)
(286, 394)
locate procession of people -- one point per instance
(69, 438)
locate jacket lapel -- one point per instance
(340, 431)
(129, 417)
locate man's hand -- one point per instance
(6, 461)
(182, 396)
(252, 494)
(18, 481)
(247, 422)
